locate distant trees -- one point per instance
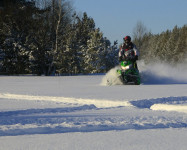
(47, 37)
(169, 46)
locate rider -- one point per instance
(131, 47)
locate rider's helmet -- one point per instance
(127, 39)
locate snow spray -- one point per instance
(152, 73)
(162, 73)
(111, 77)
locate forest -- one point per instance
(48, 37)
(169, 46)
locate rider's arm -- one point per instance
(136, 53)
(120, 54)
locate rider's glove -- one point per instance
(133, 59)
(120, 58)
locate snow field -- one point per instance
(88, 115)
(154, 139)
(78, 112)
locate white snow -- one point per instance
(179, 108)
(99, 103)
(160, 139)
(80, 112)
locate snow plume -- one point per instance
(152, 73)
(111, 77)
(163, 73)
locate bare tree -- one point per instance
(138, 32)
(60, 11)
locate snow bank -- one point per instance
(167, 107)
(178, 104)
(99, 103)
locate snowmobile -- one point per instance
(128, 72)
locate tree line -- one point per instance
(46, 37)
(169, 46)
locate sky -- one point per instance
(118, 18)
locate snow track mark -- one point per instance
(89, 115)
(89, 119)
(99, 103)
(147, 103)
(178, 104)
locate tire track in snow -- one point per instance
(178, 104)
(99, 103)
(46, 110)
(88, 118)
(166, 102)
(147, 103)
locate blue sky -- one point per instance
(117, 18)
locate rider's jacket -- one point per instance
(128, 49)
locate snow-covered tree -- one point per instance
(111, 55)
(15, 23)
(169, 46)
(93, 51)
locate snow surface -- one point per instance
(83, 113)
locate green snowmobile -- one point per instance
(128, 73)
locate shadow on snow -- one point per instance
(62, 120)
(147, 103)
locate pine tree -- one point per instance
(181, 46)
(169, 46)
(110, 57)
(15, 23)
(92, 52)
